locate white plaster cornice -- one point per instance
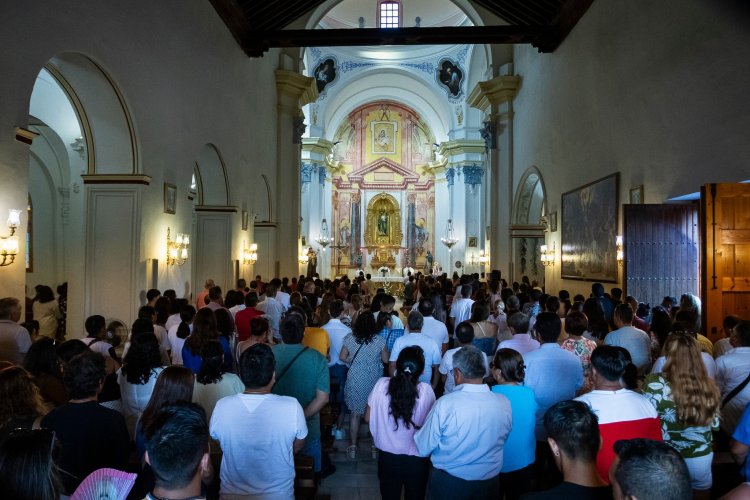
(296, 86)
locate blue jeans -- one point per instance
(338, 372)
(313, 449)
(486, 345)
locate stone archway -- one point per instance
(528, 231)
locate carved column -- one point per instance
(293, 91)
(495, 98)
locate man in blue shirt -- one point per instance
(553, 373)
(465, 432)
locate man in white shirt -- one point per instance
(461, 308)
(521, 341)
(281, 296)
(465, 433)
(433, 328)
(337, 369)
(14, 339)
(272, 309)
(432, 358)
(465, 336)
(258, 463)
(387, 302)
(637, 342)
(731, 370)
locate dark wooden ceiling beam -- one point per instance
(572, 12)
(275, 16)
(514, 12)
(258, 43)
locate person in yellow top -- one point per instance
(315, 337)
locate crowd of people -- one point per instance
(473, 389)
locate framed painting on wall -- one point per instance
(170, 198)
(472, 241)
(589, 230)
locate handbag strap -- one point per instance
(286, 368)
(736, 391)
(355, 354)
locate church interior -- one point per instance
(156, 145)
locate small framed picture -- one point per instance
(170, 198)
(636, 195)
(472, 241)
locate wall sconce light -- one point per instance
(620, 250)
(177, 249)
(547, 255)
(303, 259)
(9, 244)
(249, 254)
(323, 238)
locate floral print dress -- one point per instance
(690, 441)
(582, 347)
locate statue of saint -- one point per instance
(383, 224)
(429, 261)
(312, 262)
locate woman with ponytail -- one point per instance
(517, 472)
(687, 401)
(396, 409)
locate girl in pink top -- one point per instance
(396, 409)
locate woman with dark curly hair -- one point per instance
(43, 364)
(21, 403)
(137, 377)
(365, 352)
(204, 329)
(396, 409)
(213, 382)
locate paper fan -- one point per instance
(111, 484)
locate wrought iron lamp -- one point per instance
(177, 249)
(449, 240)
(9, 244)
(324, 238)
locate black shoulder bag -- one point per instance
(286, 368)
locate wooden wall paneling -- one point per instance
(725, 208)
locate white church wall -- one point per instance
(181, 93)
(654, 90)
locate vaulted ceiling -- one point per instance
(259, 25)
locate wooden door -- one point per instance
(662, 249)
(725, 210)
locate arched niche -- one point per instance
(211, 176)
(530, 199)
(528, 235)
(107, 127)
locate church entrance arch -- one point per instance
(527, 228)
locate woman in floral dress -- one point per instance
(575, 324)
(687, 401)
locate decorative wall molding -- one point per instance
(493, 92)
(116, 179)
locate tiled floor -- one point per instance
(354, 479)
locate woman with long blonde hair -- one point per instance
(687, 401)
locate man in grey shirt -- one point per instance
(635, 341)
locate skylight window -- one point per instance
(389, 15)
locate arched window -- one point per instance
(389, 14)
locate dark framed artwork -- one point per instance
(450, 75)
(589, 230)
(636, 195)
(170, 198)
(325, 73)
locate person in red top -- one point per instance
(622, 413)
(200, 300)
(243, 317)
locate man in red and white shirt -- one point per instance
(622, 413)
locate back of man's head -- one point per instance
(292, 329)
(519, 322)
(426, 307)
(597, 290)
(466, 291)
(609, 362)
(152, 294)
(513, 303)
(214, 293)
(94, 324)
(465, 332)
(147, 313)
(84, 374)
(470, 362)
(336, 308)
(387, 301)
(548, 327)
(575, 429)
(251, 299)
(647, 470)
(9, 306)
(270, 290)
(257, 365)
(742, 332)
(415, 321)
(176, 444)
(624, 313)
